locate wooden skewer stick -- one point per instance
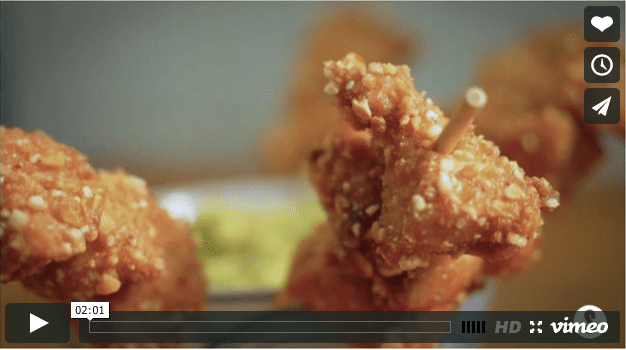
(475, 100)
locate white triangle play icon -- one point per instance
(36, 323)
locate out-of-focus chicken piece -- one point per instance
(433, 203)
(182, 286)
(442, 286)
(308, 118)
(320, 279)
(73, 234)
(536, 113)
(516, 263)
(526, 121)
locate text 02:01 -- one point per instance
(90, 310)
(84, 310)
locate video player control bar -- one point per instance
(352, 327)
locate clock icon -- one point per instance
(599, 67)
(602, 65)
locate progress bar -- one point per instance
(277, 327)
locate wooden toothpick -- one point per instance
(475, 100)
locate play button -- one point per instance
(36, 323)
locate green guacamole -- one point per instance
(252, 249)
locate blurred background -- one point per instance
(180, 91)
(188, 92)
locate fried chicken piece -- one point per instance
(470, 201)
(320, 279)
(347, 177)
(70, 233)
(308, 117)
(421, 210)
(56, 207)
(40, 225)
(442, 286)
(536, 112)
(183, 284)
(346, 174)
(514, 264)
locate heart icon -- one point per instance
(602, 22)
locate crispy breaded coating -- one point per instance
(346, 174)
(70, 233)
(414, 223)
(471, 201)
(45, 215)
(56, 206)
(442, 286)
(182, 286)
(308, 118)
(321, 279)
(512, 265)
(353, 208)
(125, 250)
(536, 112)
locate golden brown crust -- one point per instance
(442, 286)
(73, 234)
(346, 174)
(430, 203)
(91, 228)
(516, 263)
(125, 249)
(321, 279)
(410, 229)
(182, 286)
(35, 200)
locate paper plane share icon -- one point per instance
(602, 107)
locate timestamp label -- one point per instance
(90, 310)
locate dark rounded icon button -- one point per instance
(602, 23)
(602, 65)
(602, 106)
(37, 323)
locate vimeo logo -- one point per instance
(589, 322)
